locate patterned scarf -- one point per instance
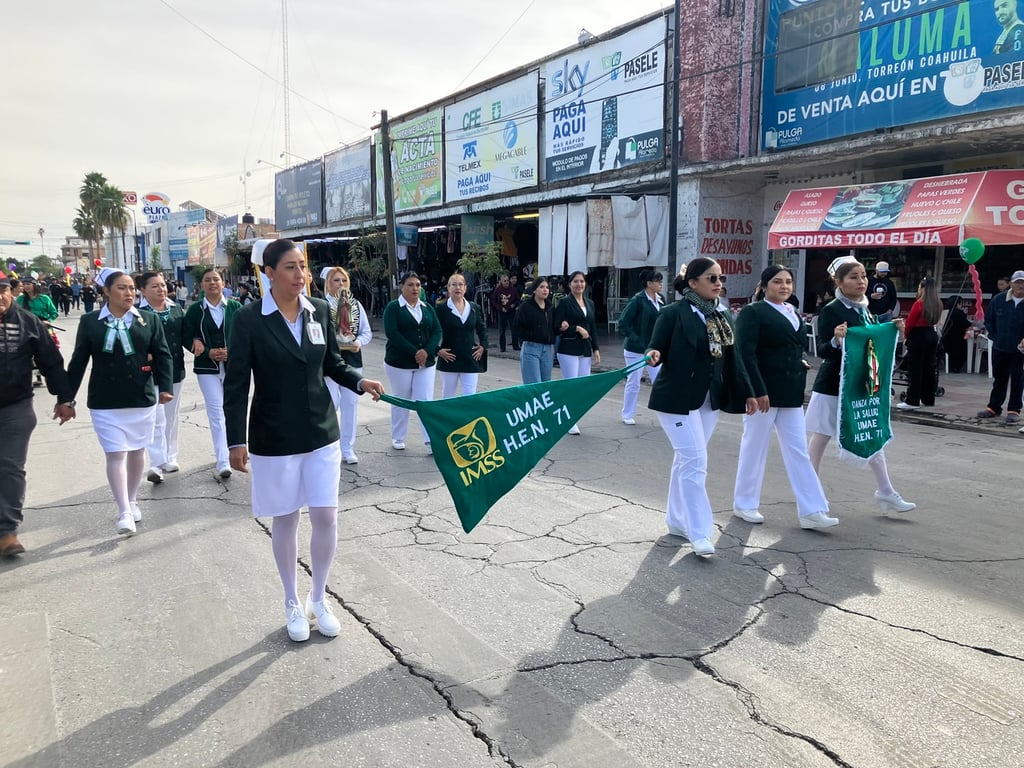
(719, 331)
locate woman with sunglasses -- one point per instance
(413, 338)
(694, 342)
(849, 309)
(352, 330)
(637, 324)
(770, 341)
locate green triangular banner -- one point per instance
(484, 444)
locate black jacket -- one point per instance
(570, 342)
(834, 314)
(773, 354)
(460, 337)
(24, 342)
(533, 323)
(292, 411)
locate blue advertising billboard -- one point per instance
(299, 197)
(835, 68)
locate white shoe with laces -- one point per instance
(398, 445)
(818, 520)
(350, 458)
(893, 502)
(906, 407)
(170, 466)
(224, 471)
(136, 512)
(629, 422)
(750, 515)
(155, 475)
(327, 623)
(298, 624)
(703, 547)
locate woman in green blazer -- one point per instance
(461, 356)
(576, 322)
(163, 450)
(770, 339)
(413, 338)
(207, 334)
(132, 371)
(848, 309)
(285, 343)
(636, 323)
(693, 342)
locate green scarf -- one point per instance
(719, 330)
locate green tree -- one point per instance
(45, 265)
(238, 262)
(154, 259)
(368, 264)
(85, 227)
(112, 214)
(90, 194)
(486, 262)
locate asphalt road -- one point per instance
(566, 630)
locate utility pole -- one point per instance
(673, 176)
(287, 84)
(42, 244)
(389, 202)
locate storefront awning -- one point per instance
(940, 210)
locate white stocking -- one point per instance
(878, 466)
(816, 448)
(284, 539)
(135, 465)
(323, 543)
(117, 478)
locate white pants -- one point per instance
(212, 387)
(788, 424)
(689, 507)
(632, 391)
(574, 366)
(450, 383)
(346, 403)
(164, 448)
(410, 384)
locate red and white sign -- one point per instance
(941, 210)
(131, 198)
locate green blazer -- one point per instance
(118, 380)
(292, 411)
(405, 336)
(173, 326)
(637, 321)
(199, 325)
(688, 371)
(570, 342)
(772, 354)
(460, 337)
(832, 314)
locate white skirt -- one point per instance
(283, 484)
(823, 414)
(123, 429)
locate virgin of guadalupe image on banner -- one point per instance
(865, 391)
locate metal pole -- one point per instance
(673, 176)
(389, 202)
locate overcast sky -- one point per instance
(148, 93)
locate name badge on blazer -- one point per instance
(315, 332)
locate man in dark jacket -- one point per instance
(505, 300)
(882, 299)
(24, 341)
(1004, 321)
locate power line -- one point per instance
(496, 43)
(263, 72)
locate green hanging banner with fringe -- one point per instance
(484, 444)
(865, 390)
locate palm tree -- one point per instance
(85, 227)
(90, 195)
(112, 214)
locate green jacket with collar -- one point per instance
(198, 324)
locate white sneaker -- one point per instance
(136, 512)
(125, 523)
(818, 520)
(430, 451)
(673, 531)
(224, 471)
(398, 445)
(170, 466)
(350, 458)
(906, 407)
(703, 547)
(327, 623)
(750, 515)
(893, 503)
(1021, 430)
(155, 475)
(630, 422)
(298, 624)
(574, 430)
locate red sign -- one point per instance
(131, 198)
(941, 210)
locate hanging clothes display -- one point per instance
(656, 211)
(629, 232)
(599, 233)
(576, 231)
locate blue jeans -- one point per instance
(535, 362)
